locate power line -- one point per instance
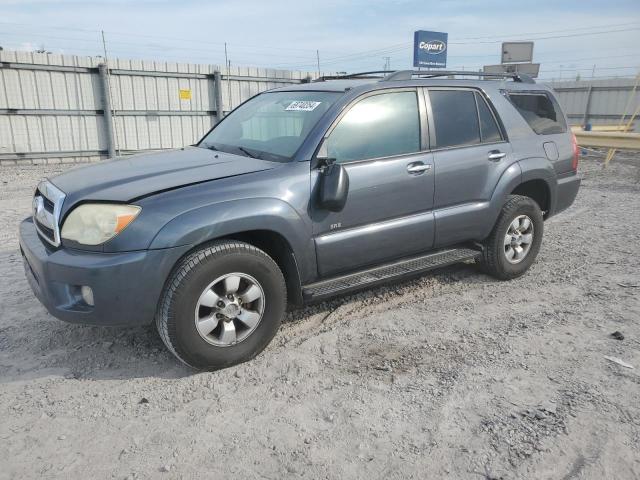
(553, 37)
(163, 37)
(357, 57)
(590, 68)
(156, 46)
(406, 45)
(332, 60)
(552, 79)
(592, 58)
(564, 30)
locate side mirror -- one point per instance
(334, 186)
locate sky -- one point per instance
(349, 35)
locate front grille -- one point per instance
(47, 204)
(46, 231)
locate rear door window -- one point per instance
(540, 110)
(455, 118)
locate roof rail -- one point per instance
(392, 75)
(409, 74)
(371, 74)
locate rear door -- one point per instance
(470, 155)
(381, 140)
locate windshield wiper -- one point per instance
(211, 147)
(249, 154)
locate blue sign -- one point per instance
(430, 49)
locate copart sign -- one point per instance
(430, 49)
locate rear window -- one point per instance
(540, 110)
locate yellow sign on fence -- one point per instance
(185, 94)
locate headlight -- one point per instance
(95, 223)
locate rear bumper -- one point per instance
(126, 286)
(566, 193)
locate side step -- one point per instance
(389, 271)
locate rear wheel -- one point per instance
(515, 240)
(222, 305)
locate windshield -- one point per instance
(270, 126)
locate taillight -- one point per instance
(576, 152)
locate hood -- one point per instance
(123, 179)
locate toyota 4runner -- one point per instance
(302, 193)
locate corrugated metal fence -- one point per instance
(55, 108)
(599, 102)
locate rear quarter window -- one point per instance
(540, 110)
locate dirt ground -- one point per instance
(451, 375)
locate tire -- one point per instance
(184, 313)
(495, 258)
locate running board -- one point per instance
(384, 273)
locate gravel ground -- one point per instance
(450, 375)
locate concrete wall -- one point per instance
(52, 106)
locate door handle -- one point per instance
(418, 168)
(496, 155)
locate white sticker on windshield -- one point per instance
(303, 105)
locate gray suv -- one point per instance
(302, 193)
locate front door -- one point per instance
(388, 213)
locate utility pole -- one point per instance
(318, 60)
(109, 114)
(593, 72)
(226, 58)
(217, 82)
(228, 65)
(103, 71)
(387, 63)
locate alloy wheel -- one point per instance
(229, 309)
(518, 239)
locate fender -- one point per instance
(533, 168)
(538, 168)
(510, 179)
(222, 219)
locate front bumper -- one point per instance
(126, 286)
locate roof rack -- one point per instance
(408, 74)
(370, 74)
(392, 75)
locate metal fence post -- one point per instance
(217, 86)
(585, 118)
(106, 107)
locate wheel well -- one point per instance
(278, 248)
(538, 191)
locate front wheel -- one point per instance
(222, 305)
(515, 240)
